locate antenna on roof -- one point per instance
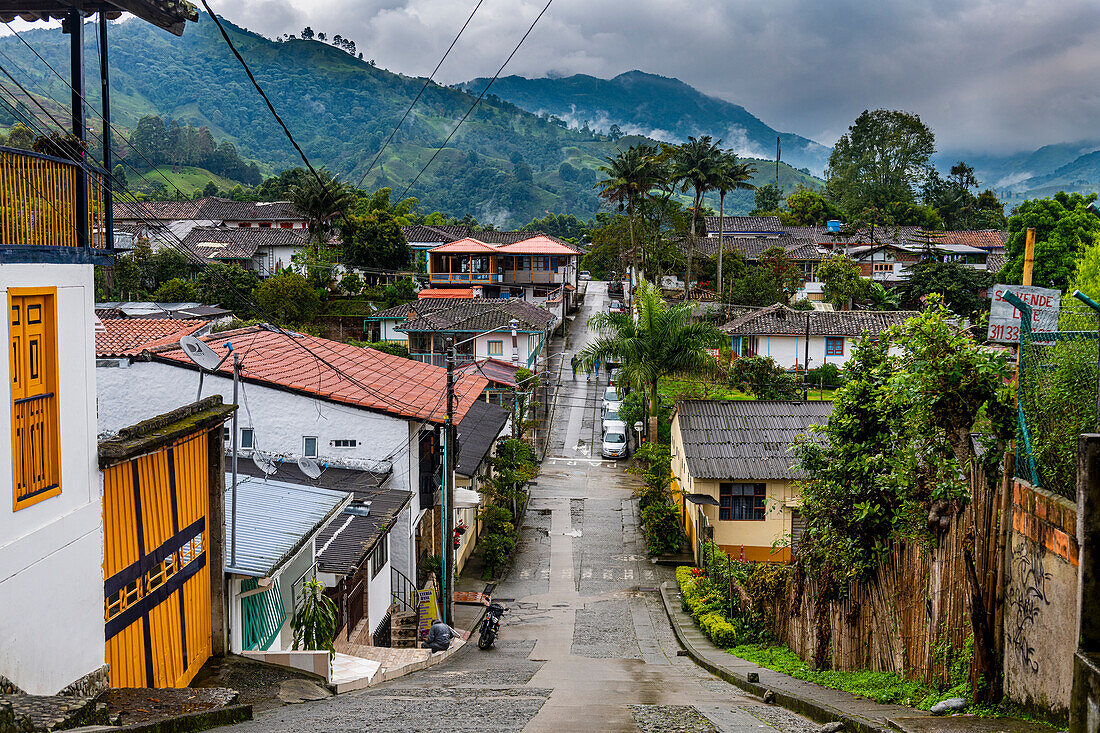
(205, 357)
(264, 463)
(310, 467)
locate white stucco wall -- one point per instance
(378, 593)
(790, 351)
(280, 420)
(51, 553)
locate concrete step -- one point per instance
(51, 712)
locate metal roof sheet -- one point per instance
(274, 521)
(476, 435)
(745, 440)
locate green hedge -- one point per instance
(707, 606)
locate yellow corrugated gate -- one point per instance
(157, 579)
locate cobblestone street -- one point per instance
(586, 645)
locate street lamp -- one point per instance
(638, 428)
(447, 484)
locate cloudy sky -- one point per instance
(990, 75)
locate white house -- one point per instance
(781, 333)
(306, 396)
(480, 329)
(51, 522)
(270, 553)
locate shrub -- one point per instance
(826, 375)
(395, 349)
(351, 283)
(498, 537)
(718, 629)
(663, 531)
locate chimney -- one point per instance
(477, 291)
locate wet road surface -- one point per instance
(586, 645)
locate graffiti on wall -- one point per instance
(1027, 597)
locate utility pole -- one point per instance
(777, 164)
(233, 500)
(447, 590)
(73, 24)
(1029, 256)
(105, 95)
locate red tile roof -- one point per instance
(469, 245)
(537, 245)
(445, 293)
(337, 372)
(495, 370)
(981, 238)
(131, 336)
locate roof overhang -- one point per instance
(171, 15)
(701, 499)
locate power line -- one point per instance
(418, 94)
(476, 101)
(259, 89)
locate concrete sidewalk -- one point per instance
(825, 705)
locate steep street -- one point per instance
(586, 645)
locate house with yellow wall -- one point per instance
(735, 475)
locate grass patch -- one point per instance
(672, 389)
(882, 687)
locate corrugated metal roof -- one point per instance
(476, 434)
(274, 520)
(745, 440)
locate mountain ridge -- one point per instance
(661, 107)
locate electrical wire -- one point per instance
(476, 101)
(419, 94)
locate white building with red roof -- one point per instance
(301, 395)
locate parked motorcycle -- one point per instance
(490, 625)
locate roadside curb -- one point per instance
(816, 711)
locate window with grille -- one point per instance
(834, 346)
(496, 348)
(344, 443)
(36, 457)
(741, 501)
(884, 267)
(380, 556)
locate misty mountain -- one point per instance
(1071, 166)
(657, 107)
(505, 165)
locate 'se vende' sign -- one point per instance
(1004, 318)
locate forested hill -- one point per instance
(504, 166)
(656, 106)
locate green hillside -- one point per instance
(505, 165)
(657, 106)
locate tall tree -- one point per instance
(1064, 227)
(694, 166)
(629, 176)
(880, 160)
(663, 339)
(730, 175)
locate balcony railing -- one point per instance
(465, 278)
(39, 201)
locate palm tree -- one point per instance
(729, 176)
(321, 199)
(630, 175)
(661, 339)
(694, 167)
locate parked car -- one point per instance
(613, 423)
(584, 275)
(616, 306)
(613, 373)
(614, 444)
(615, 289)
(611, 400)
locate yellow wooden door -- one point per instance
(157, 581)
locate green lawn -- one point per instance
(672, 389)
(186, 178)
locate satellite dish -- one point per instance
(200, 353)
(310, 467)
(264, 463)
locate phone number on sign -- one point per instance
(1001, 332)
